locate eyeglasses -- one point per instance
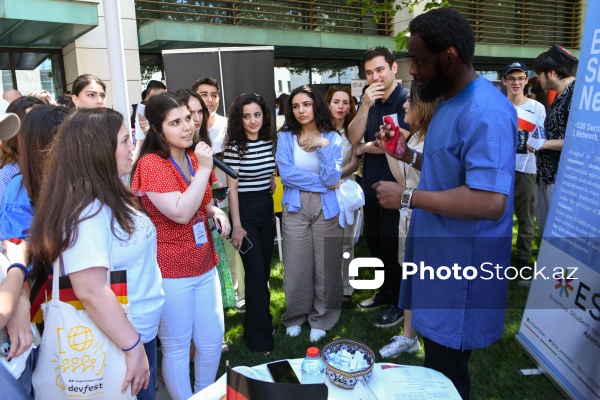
(513, 79)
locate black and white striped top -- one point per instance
(255, 168)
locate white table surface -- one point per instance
(401, 382)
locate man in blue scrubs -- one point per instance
(462, 223)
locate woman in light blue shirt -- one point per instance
(309, 157)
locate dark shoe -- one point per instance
(374, 302)
(346, 299)
(392, 316)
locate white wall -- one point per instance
(88, 54)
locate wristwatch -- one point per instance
(407, 197)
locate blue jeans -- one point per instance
(25, 378)
(150, 393)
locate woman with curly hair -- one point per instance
(9, 149)
(249, 149)
(309, 157)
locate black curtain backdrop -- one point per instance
(243, 70)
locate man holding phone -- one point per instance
(383, 97)
(531, 113)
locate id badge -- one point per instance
(199, 231)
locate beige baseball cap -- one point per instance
(9, 126)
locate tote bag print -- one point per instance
(77, 360)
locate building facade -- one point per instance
(61, 39)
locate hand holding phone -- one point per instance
(246, 245)
(220, 193)
(392, 142)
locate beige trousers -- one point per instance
(312, 254)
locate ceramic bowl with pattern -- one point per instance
(344, 379)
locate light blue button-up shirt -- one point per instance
(295, 179)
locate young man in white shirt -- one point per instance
(208, 89)
(530, 113)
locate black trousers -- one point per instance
(381, 231)
(450, 362)
(257, 218)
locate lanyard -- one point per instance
(179, 169)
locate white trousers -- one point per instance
(193, 309)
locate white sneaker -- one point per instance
(317, 334)
(399, 345)
(293, 330)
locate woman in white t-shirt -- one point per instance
(309, 158)
(87, 216)
(417, 114)
(343, 110)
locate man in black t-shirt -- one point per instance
(383, 97)
(554, 69)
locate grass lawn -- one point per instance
(494, 370)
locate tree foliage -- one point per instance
(382, 8)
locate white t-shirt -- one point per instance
(304, 160)
(347, 149)
(525, 161)
(217, 133)
(136, 254)
(139, 133)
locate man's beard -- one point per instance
(437, 86)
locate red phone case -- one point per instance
(391, 143)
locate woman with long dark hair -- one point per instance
(343, 110)
(20, 199)
(172, 178)
(88, 217)
(250, 149)
(309, 157)
(418, 115)
(199, 114)
(9, 149)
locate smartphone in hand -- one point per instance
(246, 245)
(220, 193)
(392, 142)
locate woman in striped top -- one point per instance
(249, 149)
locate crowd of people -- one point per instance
(443, 193)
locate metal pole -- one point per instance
(116, 58)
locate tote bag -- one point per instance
(77, 360)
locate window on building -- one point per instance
(31, 71)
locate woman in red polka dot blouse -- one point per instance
(172, 178)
